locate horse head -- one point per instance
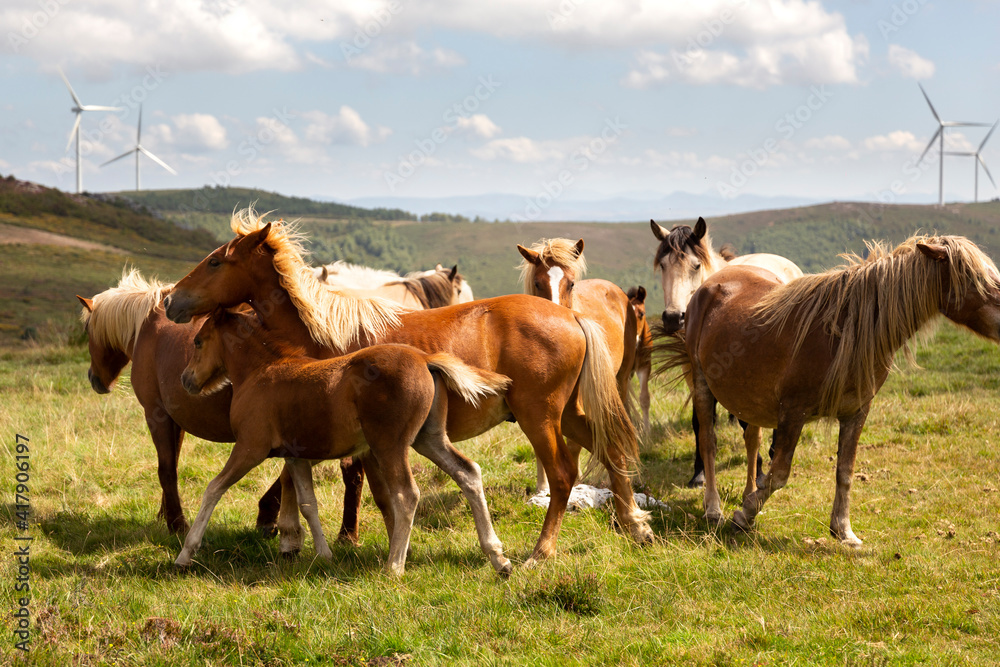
(970, 284)
(637, 299)
(684, 260)
(551, 268)
(206, 371)
(106, 359)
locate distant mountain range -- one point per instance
(626, 207)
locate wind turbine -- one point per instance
(979, 159)
(78, 110)
(942, 124)
(140, 149)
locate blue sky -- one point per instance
(577, 98)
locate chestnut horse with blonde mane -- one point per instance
(558, 362)
(779, 356)
(374, 404)
(685, 259)
(552, 269)
(126, 324)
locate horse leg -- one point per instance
(546, 438)
(541, 481)
(786, 436)
(241, 461)
(403, 498)
(847, 448)
(760, 461)
(432, 442)
(167, 438)
(698, 479)
(354, 483)
(630, 517)
(380, 492)
(301, 471)
(643, 375)
(268, 508)
(287, 522)
(704, 407)
(751, 438)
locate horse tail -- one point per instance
(602, 404)
(472, 384)
(673, 352)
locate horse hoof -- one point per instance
(696, 482)
(851, 542)
(348, 538)
(505, 570)
(267, 530)
(714, 519)
(740, 521)
(642, 534)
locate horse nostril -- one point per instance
(166, 303)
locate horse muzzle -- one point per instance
(96, 384)
(176, 309)
(672, 322)
(189, 383)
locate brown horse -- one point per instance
(374, 404)
(127, 323)
(643, 350)
(552, 269)
(417, 291)
(558, 362)
(779, 356)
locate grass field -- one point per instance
(924, 589)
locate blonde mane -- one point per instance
(872, 306)
(120, 311)
(552, 252)
(334, 319)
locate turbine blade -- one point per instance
(988, 135)
(138, 135)
(962, 123)
(156, 160)
(959, 153)
(933, 111)
(120, 157)
(71, 91)
(986, 169)
(95, 107)
(76, 128)
(929, 144)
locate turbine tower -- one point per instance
(977, 154)
(78, 109)
(942, 124)
(140, 149)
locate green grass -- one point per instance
(924, 589)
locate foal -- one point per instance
(643, 350)
(374, 403)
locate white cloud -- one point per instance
(478, 125)
(404, 58)
(909, 63)
(684, 159)
(894, 141)
(198, 130)
(523, 149)
(346, 127)
(831, 142)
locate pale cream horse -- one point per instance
(418, 290)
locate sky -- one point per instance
(545, 99)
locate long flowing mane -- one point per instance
(120, 311)
(552, 252)
(872, 306)
(334, 319)
(432, 289)
(680, 238)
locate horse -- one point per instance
(685, 258)
(558, 362)
(550, 270)
(416, 291)
(643, 350)
(820, 347)
(374, 404)
(126, 324)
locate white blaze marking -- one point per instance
(555, 277)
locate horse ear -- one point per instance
(579, 247)
(700, 228)
(453, 272)
(439, 267)
(934, 251)
(87, 303)
(640, 294)
(324, 274)
(659, 232)
(254, 239)
(530, 255)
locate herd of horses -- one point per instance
(256, 347)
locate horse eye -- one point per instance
(697, 267)
(571, 285)
(214, 262)
(197, 343)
